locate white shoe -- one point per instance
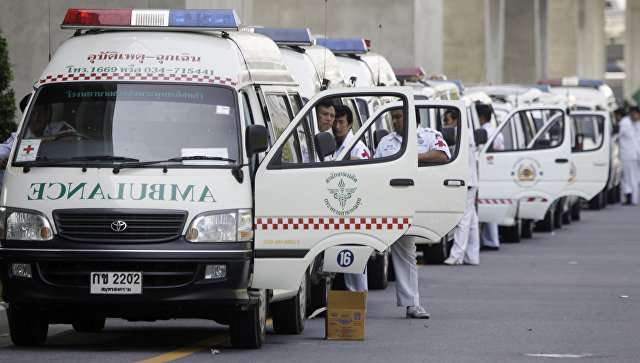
(452, 262)
(417, 312)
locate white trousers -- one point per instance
(466, 238)
(489, 236)
(356, 282)
(629, 181)
(403, 252)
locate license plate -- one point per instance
(116, 283)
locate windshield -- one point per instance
(112, 122)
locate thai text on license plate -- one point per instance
(116, 283)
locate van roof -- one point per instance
(380, 68)
(229, 58)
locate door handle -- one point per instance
(562, 161)
(595, 163)
(454, 182)
(401, 182)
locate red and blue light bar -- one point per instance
(150, 19)
(287, 36)
(344, 46)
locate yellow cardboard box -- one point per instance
(345, 315)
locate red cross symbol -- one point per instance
(28, 149)
(440, 143)
(365, 154)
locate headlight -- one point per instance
(227, 226)
(26, 226)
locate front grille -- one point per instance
(154, 274)
(142, 226)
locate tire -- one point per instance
(248, 328)
(89, 324)
(289, 315)
(378, 271)
(557, 217)
(527, 228)
(612, 198)
(512, 233)
(575, 211)
(435, 253)
(566, 217)
(546, 225)
(597, 202)
(391, 275)
(318, 295)
(27, 327)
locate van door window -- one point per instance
(246, 109)
(587, 132)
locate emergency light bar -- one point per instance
(550, 81)
(409, 72)
(150, 19)
(344, 46)
(287, 36)
(541, 87)
(581, 82)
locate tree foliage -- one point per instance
(7, 97)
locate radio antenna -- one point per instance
(379, 52)
(324, 66)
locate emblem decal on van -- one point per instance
(527, 172)
(573, 173)
(342, 188)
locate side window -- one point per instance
(504, 139)
(551, 136)
(363, 110)
(278, 113)
(587, 132)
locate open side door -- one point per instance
(590, 153)
(304, 205)
(441, 188)
(524, 175)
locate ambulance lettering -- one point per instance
(121, 191)
(342, 187)
(527, 172)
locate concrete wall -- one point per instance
(427, 41)
(520, 36)
(632, 50)
(464, 40)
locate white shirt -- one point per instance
(53, 128)
(5, 150)
(359, 151)
(498, 142)
(428, 139)
(628, 141)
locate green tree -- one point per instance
(7, 97)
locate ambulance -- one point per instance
(159, 173)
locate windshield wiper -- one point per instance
(46, 161)
(116, 168)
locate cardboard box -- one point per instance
(345, 315)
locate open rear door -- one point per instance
(522, 177)
(590, 149)
(304, 205)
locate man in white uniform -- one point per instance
(342, 131)
(431, 149)
(489, 238)
(629, 156)
(466, 237)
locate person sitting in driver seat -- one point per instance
(42, 127)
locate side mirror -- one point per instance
(325, 144)
(378, 135)
(256, 139)
(449, 135)
(480, 136)
(24, 102)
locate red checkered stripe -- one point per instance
(201, 78)
(495, 201)
(351, 223)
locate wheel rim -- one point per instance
(262, 312)
(302, 298)
(385, 264)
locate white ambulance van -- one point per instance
(139, 187)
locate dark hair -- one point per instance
(454, 114)
(326, 103)
(620, 111)
(344, 111)
(635, 109)
(484, 111)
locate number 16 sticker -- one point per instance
(345, 258)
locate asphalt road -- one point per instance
(573, 294)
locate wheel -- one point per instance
(527, 228)
(391, 275)
(27, 327)
(435, 253)
(248, 328)
(319, 294)
(575, 211)
(378, 270)
(612, 198)
(89, 324)
(566, 217)
(546, 225)
(557, 217)
(597, 202)
(512, 233)
(289, 315)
